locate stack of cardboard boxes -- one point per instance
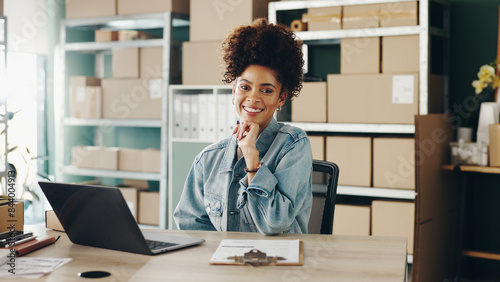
(378, 83)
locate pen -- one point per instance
(19, 242)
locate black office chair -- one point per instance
(324, 186)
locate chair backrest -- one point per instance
(324, 186)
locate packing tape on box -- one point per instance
(298, 25)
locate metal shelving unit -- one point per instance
(4, 118)
(165, 21)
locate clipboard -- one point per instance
(256, 256)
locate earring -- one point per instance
(232, 101)
(279, 109)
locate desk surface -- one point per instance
(326, 257)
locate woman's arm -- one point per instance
(190, 213)
(276, 199)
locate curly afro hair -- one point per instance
(268, 45)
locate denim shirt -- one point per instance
(217, 195)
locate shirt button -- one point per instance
(208, 209)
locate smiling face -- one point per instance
(257, 94)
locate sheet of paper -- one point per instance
(289, 249)
(32, 267)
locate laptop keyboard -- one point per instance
(157, 245)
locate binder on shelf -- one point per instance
(222, 116)
(203, 116)
(212, 117)
(194, 116)
(186, 117)
(177, 116)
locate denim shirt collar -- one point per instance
(264, 141)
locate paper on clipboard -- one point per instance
(289, 251)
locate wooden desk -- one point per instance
(326, 258)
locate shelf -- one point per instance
(376, 192)
(474, 168)
(92, 47)
(111, 173)
(355, 127)
(483, 255)
(113, 122)
(354, 33)
(140, 21)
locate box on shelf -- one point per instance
(400, 54)
(494, 146)
(394, 163)
(399, 14)
(132, 98)
(361, 16)
(52, 222)
(310, 106)
(318, 147)
(352, 220)
(95, 157)
(130, 7)
(373, 98)
(131, 196)
(125, 62)
(136, 183)
(130, 159)
(200, 62)
(151, 62)
(151, 160)
(86, 102)
(90, 8)
(149, 208)
(212, 20)
(392, 218)
(126, 35)
(325, 18)
(360, 55)
(102, 35)
(9, 217)
(353, 155)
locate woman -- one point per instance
(258, 179)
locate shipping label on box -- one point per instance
(131, 99)
(311, 105)
(90, 8)
(394, 163)
(353, 155)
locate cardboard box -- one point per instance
(12, 218)
(90, 8)
(373, 98)
(391, 218)
(1, 7)
(353, 155)
(131, 196)
(132, 98)
(151, 62)
(361, 16)
(86, 102)
(311, 104)
(213, 20)
(130, 7)
(325, 18)
(130, 159)
(52, 222)
(399, 14)
(136, 183)
(126, 35)
(200, 63)
(360, 55)
(394, 163)
(105, 35)
(151, 160)
(149, 208)
(494, 146)
(95, 157)
(400, 54)
(352, 220)
(125, 62)
(318, 147)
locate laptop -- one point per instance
(98, 216)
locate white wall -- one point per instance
(27, 26)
